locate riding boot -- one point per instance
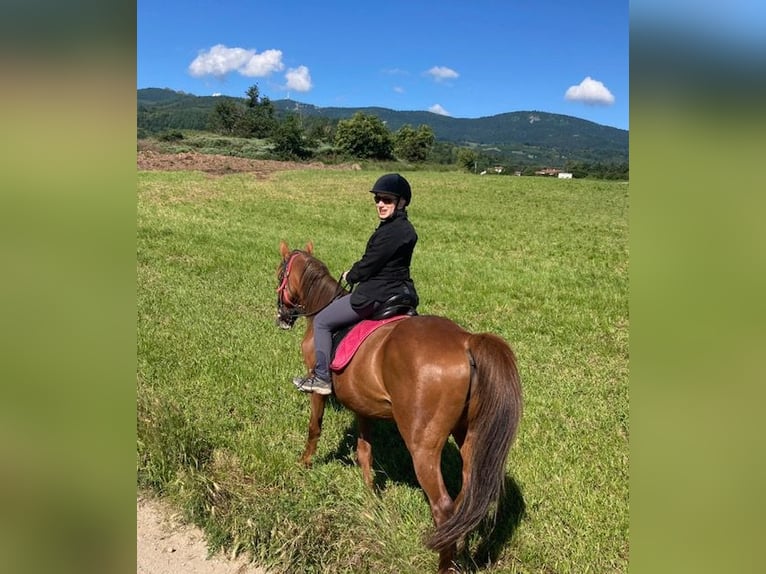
(319, 381)
(313, 384)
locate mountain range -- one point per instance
(524, 136)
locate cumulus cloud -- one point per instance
(440, 73)
(263, 64)
(437, 109)
(298, 79)
(220, 60)
(591, 92)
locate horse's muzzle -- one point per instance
(285, 323)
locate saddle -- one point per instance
(347, 340)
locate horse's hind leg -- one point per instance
(427, 463)
(315, 427)
(364, 449)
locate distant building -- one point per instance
(548, 171)
(565, 175)
(496, 169)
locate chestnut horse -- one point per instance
(433, 378)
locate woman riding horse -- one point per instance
(382, 272)
(434, 379)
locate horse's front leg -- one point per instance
(315, 427)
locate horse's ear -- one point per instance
(310, 248)
(284, 250)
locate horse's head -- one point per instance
(290, 305)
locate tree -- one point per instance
(225, 117)
(259, 120)
(442, 153)
(253, 94)
(319, 130)
(253, 120)
(289, 142)
(365, 137)
(466, 158)
(414, 145)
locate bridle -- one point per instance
(288, 309)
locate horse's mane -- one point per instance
(317, 285)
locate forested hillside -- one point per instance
(550, 137)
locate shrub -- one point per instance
(170, 136)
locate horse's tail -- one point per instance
(494, 412)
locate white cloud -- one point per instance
(591, 92)
(299, 79)
(221, 60)
(399, 89)
(440, 73)
(437, 109)
(263, 64)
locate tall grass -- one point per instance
(541, 262)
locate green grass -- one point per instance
(541, 262)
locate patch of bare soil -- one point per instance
(165, 545)
(224, 164)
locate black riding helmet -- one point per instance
(393, 184)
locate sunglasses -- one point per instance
(386, 199)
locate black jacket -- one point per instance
(384, 269)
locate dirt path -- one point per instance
(165, 545)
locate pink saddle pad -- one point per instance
(350, 343)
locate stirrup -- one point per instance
(312, 384)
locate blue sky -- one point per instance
(461, 59)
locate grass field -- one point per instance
(541, 262)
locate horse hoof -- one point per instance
(451, 569)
